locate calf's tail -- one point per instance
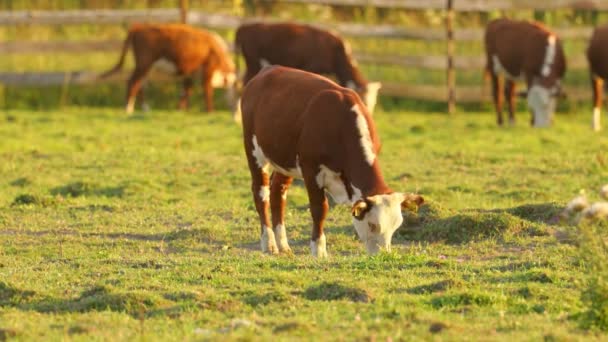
(125, 48)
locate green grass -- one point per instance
(116, 227)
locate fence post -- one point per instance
(451, 77)
(183, 11)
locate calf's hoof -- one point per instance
(268, 243)
(318, 248)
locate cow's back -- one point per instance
(597, 52)
(520, 46)
(297, 46)
(285, 108)
(185, 46)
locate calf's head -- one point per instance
(542, 97)
(377, 217)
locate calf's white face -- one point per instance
(541, 102)
(376, 219)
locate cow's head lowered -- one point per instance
(377, 217)
(544, 89)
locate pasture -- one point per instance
(117, 228)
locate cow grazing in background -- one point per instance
(303, 125)
(597, 55)
(179, 50)
(528, 51)
(302, 47)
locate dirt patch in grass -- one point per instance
(6, 334)
(335, 291)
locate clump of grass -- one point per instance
(101, 298)
(594, 253)
(439, 286)
(462, 299)
(476, 226)
(37, 200)
(74, 189)
(10, 295)
(334, 291)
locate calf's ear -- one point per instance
(360, 208)
(411, 202)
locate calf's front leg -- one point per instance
(318, 210)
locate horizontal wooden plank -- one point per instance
(435, 62)
(37, 47)
(464, 5)
(223, 21)
(464, 94)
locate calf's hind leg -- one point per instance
(279, 184)
(497, 95)
(510, 95)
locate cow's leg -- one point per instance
(184, 101)
(208, 88)
(134, 86)
(510, 95)
(497, 95)
(318, 210)
(597, 87)
(141, 97)
(279, 184)
(261, 197)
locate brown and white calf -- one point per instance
(299, 124)
(528, 51)
(179, 50)
(302, 47)
(597, 55)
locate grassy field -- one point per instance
(117, 228)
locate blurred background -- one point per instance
(47, 45)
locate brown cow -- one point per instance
(597, 55)
(528, 51)
(303, 125)
(178, 49)
(302, 47)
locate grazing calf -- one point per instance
(597, 55)
(528, 51)
(300, 124)
(302, 47)
(180, 50)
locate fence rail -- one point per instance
(228, 22)
(466, 5)
(434, 62)
(463, 94)
(225, 22)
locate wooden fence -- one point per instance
(224, 22)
